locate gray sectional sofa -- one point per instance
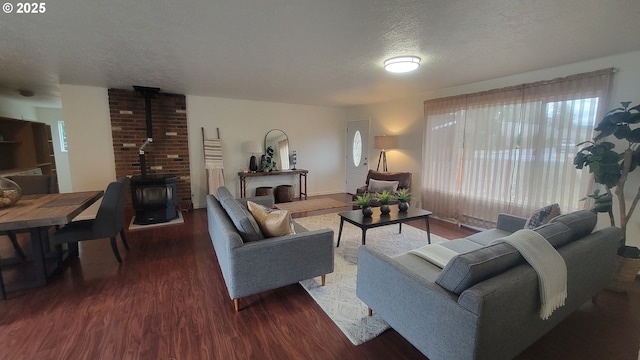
(485, 303)
(251, 263)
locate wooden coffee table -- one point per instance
(356, 218)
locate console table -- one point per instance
(299, 172)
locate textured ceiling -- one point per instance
(317, 52)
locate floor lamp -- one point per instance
(384, 143)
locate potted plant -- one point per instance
(404, 196)
(612, 169)
(267, 160)
(364, 202)
(384, 198)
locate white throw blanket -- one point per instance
(436, 254)
(550, 266)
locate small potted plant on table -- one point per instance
(403, 196)
(364, 201)
(384, 198)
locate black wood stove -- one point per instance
(154, 198)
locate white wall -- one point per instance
(17, 109)
(404, 117)
(88, 125)
(316, 133)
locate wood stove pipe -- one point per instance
(148, 93)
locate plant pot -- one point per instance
(625, 276)
(385, 209)
(367, 211)
(403, 206)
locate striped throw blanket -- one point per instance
(213, 164)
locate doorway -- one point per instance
(357, 154)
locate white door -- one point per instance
(357, 154)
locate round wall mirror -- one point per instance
(279, 142)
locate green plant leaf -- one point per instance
(605, 128)
(622, 132)
(634, 118)
(615, 110)
(579, 160)
(635, 160)
(608, 145)
(634, 137)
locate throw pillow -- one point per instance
(272, 222)
(377, 186)
(542, 216)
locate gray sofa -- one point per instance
(485, 303)
(251, 263)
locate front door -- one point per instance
(357, 154)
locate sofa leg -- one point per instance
(236, 304)
(323, 279)
(370, 311)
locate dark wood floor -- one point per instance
(168, 301)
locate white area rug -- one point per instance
(338, 297)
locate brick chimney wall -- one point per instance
(169, 152)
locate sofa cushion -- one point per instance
(272, 222)
(240, 216)
(468, 269)
(222, 194)
(378, 186)
(580, 222)
(486, 237)
(461, 245)
(542, 216)
(557, 233)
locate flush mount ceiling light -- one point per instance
(402, 64)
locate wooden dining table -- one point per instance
(38, 213)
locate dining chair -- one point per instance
(108, 223)
(30, 185)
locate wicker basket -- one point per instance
(284, 193)
(625, 276)
(264, 190)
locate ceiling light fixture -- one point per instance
(402, 64)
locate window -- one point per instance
(510, 150)
(357, 148)
(63, 136)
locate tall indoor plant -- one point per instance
(612, 169)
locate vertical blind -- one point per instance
(510, 150)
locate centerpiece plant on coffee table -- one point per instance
(364, 202)
(385, 198)
(404, 196)
(612, 169)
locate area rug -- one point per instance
(310, 205)
(338, 297)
